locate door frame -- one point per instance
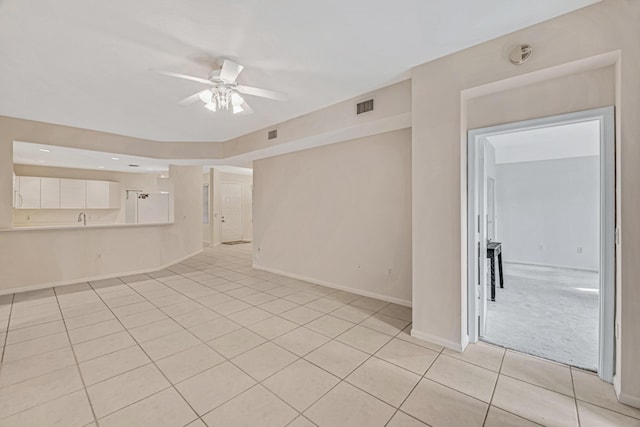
(606, 117)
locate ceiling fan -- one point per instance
(224, 92)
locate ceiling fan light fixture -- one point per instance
(236, 99)
(205, 96)
(224, 92)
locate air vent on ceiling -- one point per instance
(273, 134)
(364, 106)
(134, 166)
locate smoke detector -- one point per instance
(520, 54)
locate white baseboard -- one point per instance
(455, 346)
(537, 264)
(94, 278)
(335, 286)
(629, 400)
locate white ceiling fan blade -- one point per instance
(191, 98)
(246, 108)
(230, 71)
(263, 93)
(184, 76)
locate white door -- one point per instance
(231, 220)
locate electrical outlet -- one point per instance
(579, 250)
(99, 256)
(389, 272)
(358, 268)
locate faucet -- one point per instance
(82, 218)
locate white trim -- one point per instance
(335, 286)
(452, 345)
(537, 264)
(606, 359)
(94, 278)
(629, 400)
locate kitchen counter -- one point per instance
(80, 226)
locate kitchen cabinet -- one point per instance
(49, 193)
(31, 192)
(73, 193)
(103, 195)
(28, 192)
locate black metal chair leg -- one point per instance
(501, 269)
(493, 279)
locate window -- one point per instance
(205, 204)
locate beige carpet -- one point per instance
(547, 312)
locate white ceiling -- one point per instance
(87, 63)
(548, 143)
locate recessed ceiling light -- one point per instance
(44, 150)
(100, 167)
(42, 161)
(115, 158)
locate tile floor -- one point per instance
(212, 342)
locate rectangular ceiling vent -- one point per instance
(364, 106)
(273, 134)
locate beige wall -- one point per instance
(207, 232)
(339, 215)
(580, 91)
(334, 123)
(591, 38)
(128, 181)
(37, 258)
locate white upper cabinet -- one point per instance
(103, 195)
(28, 195)
(31, 192)
(49, 193)
(72, 193)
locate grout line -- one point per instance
(298, 357)
(422, 377)
(539, 386)
(495, 386)
(154, 364)
(343, 380)
(241, 270)
(575, 398)
(6, 334)
(84, 385)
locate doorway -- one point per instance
(231, 212)
(527, 206)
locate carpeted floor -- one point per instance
(547, 312)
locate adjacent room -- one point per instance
(319, 213)
(543, 208)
